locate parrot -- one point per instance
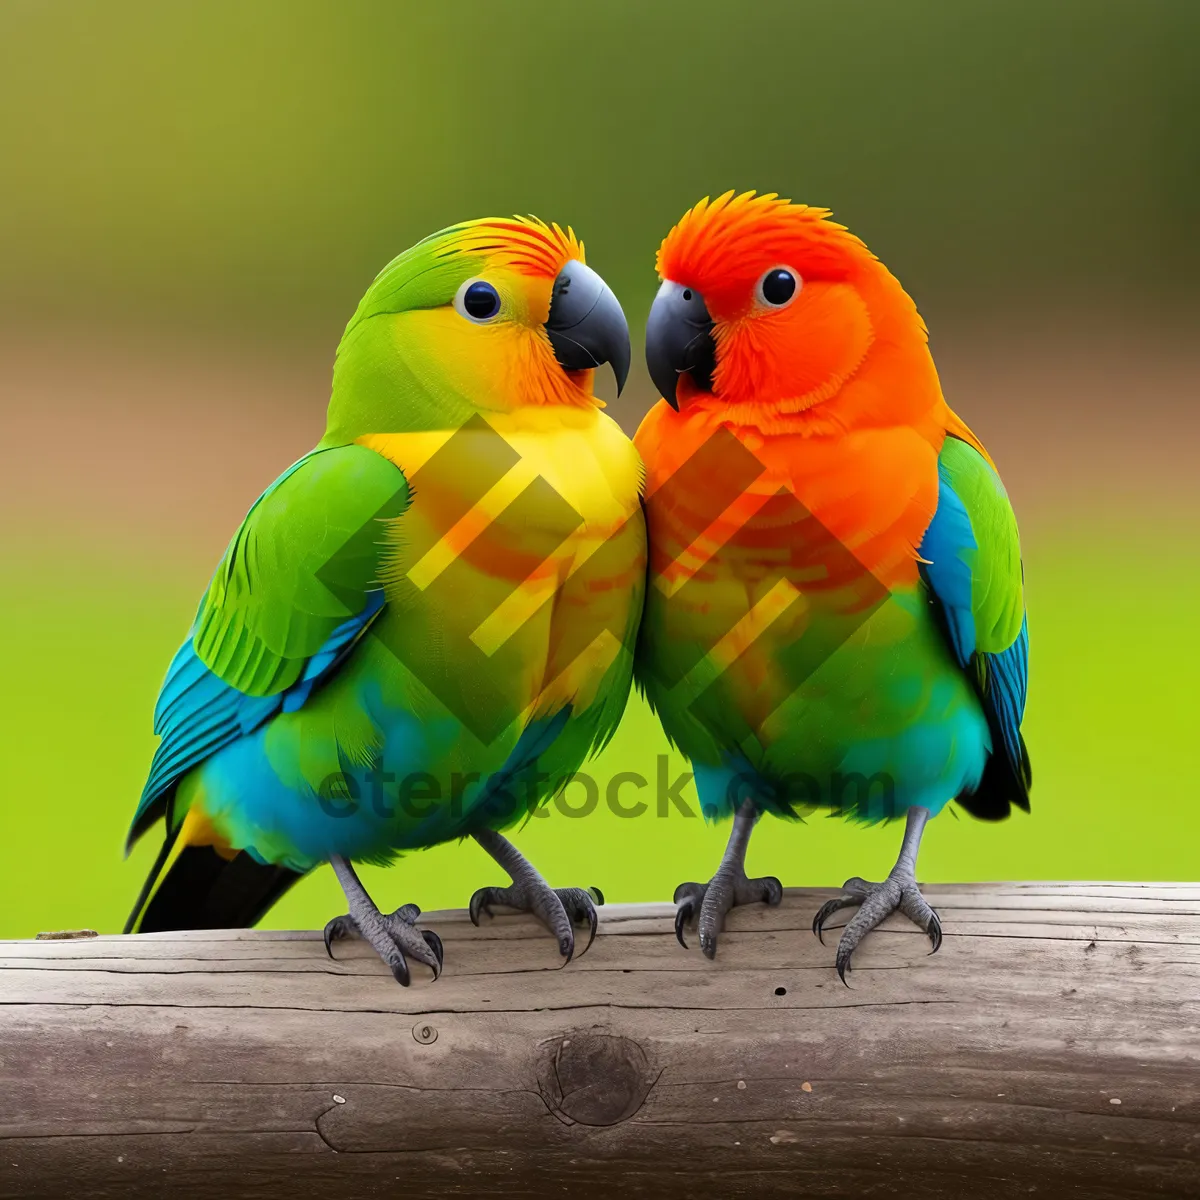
(835, 614)
(424, 626)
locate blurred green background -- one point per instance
(194, 196)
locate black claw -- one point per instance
(593, 922)
(566, 947)
(682, 915)
(335, 930)
(435, 944)
(823, 914)
(597, 894)
(479, 904)
(935, 933)
(843, 965)
(400, 971)
(828, 909)
(772, 890)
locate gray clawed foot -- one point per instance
(707, 903)
(395, 938)
(875, 901)
(559, 909)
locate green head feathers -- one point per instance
(475, 318)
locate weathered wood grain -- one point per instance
(1051, 1048)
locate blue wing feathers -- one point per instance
(946, 553)
(1007, 684)
(197, 714)
(943, 548)
(330, 656)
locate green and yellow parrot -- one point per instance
(423, 627)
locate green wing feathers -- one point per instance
(302, 562)
(971, 557)
(997, 583)
(296, 586)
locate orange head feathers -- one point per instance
(773, 315)
(523, 244)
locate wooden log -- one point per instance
(1051, 1048)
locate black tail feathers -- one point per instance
(1004, 785)
(204, 890)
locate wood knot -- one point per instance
(594, 1078)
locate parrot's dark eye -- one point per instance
(478, 301)
(778, 287)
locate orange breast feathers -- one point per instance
(829, 505)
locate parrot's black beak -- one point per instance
(586, 326)
(679, 341)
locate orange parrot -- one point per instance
(835, 616)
